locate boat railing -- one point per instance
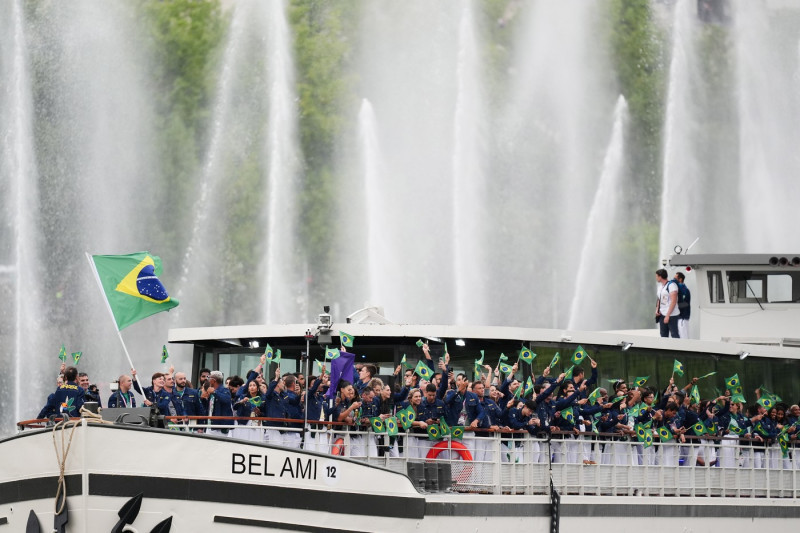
(515, 462)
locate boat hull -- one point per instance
(204, 481)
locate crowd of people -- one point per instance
(571, 416)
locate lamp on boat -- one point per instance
(625, 345)
(254, 343)
(743, 355)
(460, 342)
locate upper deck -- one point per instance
(744, 298)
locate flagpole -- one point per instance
(111, 313)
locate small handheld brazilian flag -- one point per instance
(579, 355)
(377, 424)
(63, 354)
(331, 353)
(164, 354)
(640, 381)
(320, 366)
(277, 357)
(568, 414)
(76, 356)
(700, 428)
(644, 435)
(704, 376)
(783, 441)
(595, 396)
(528, 387)
(568, 373)
(766, 403)
(434, 432)
(518, 391)
(732, 381)
(423, 370)
(444, 427)
(503, 357)
(665, 434)
(768, 394)
(420, 343)
(506, 368)
(556, 359)
(346, 338)
(256, 401)
(391, 426)
(526, 355)
(737, 396)
(677, 368)
(735, 428)
(457, 432)
(695, 394)
(404, 362)
(269, 353)
(402, 418)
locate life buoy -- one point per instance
(337, 448)
(439, 447)
(461, 474)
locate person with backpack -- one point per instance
(684, 305)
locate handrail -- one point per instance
(553, 431)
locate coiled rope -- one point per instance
(63, 452)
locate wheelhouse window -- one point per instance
(763, 287)
(715, 288)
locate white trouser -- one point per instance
(669, 454)
(357, 447)
(622, 453)
(649, 456)
(727, 451)
(683, 328)
(292, 439)
(273, 436)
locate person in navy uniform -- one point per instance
(274, 407)
(315, 438)
(189, 397)
(68, 398)
(294, 410)
(123, 397)
(90, 392)
(216, 399)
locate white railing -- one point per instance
(588, 464)
(583, 465)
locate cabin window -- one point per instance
(715, 288)
(763, 287)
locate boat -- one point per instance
(91, 474)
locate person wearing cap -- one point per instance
(216, 400)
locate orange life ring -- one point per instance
(439, 447)
(464, 475)
(337, 448)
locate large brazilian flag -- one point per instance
(131, 285)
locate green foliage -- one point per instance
(322, 54)
(185, 37)
(638, 54)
